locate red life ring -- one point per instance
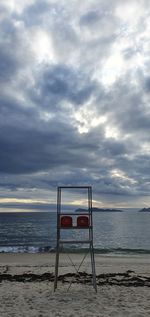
(66, 221)
(83, 221)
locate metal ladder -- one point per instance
(88, 241)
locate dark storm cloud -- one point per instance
(126, 107)
(8, 65)
(9, 61)
(31, 145)
(29, 149)
(45, 102)
(15, 52)
(33, 13)
(59, 83)
(102, 15)
(91, 18)
(37, 12)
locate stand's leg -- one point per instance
(56, 267)
(93, 266)
(58, 237)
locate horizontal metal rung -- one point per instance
(74, 213)
(76, 227)
(77, 187)
(74, 241)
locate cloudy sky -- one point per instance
(74, 100)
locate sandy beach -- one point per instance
(26, 286)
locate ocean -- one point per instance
(118, 233)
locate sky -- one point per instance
(74, 101)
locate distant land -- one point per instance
(145, 209)
(95, 209)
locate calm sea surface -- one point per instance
(115, 233)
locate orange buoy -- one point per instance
(66, 221)
(83, 221)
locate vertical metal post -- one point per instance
(91, 240)
(58, 236)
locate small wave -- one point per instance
(72, 249)
(109, 251)
(26, 249)
(122, 251)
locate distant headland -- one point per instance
(145, 209)
(95, 209)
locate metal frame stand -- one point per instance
(89, 241)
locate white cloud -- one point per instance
(130, 11)
(42, 46)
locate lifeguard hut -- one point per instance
(82, 221)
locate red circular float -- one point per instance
(83, 221)
(66, 221)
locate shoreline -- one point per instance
(103, 263)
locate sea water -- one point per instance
(113, 232)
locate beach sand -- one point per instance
(26, 286)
